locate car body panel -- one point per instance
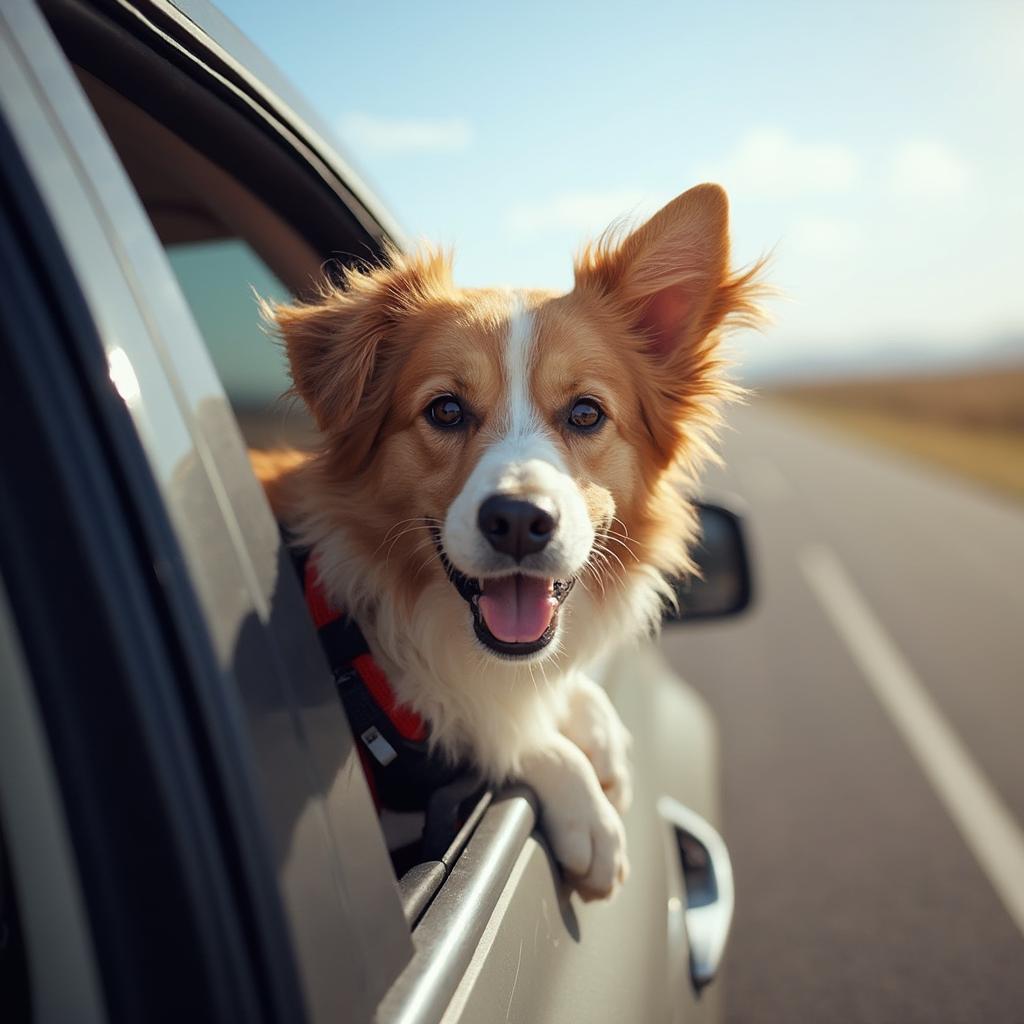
(56, 922)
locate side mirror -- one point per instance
(723, 586)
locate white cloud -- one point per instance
(582, 211)
(826, 237)
(768, 163)
(923, 168)
(391, 135)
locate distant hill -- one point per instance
(970, 421)
(879, 359)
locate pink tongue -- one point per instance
(517, 609)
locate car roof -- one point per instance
(246, 66)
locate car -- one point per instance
(185, 831)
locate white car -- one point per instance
(185, 833)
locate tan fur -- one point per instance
(275, 470)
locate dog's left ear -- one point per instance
(671, 275)
(671, 281)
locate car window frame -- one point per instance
(60, 961)
(102, 693)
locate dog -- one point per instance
(497, 495)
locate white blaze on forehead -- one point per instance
(520, 413)
(520, 427)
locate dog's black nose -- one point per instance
(515, 526)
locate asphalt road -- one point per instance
(871, 713)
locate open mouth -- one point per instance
(514, 615)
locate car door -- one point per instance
(174, 171)
(279, 743)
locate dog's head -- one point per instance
(504, 452)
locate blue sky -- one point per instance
(875, 147)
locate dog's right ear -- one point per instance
(341, 346)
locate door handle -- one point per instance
(710, 898)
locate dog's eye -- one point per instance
(585, 414)
(445, 411)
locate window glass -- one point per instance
(220, 279)
(226, 247)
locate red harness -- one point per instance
(405, 720)
(402, 771)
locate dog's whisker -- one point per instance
(411, 529)
(421, 567)
(611, 554)
(612, 575)
(598, 561)
(606, 558)
(625, 528)
(623, 540)
(623, 544)
(609, 532)
(423, 544)
(429, 560)
(593, 569)
(544, 675)
(533, 679)
(422, 522)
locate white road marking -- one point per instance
(987, 825)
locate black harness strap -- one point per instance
(405, 771)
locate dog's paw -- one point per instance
(589, 841)
(593, 724)
(608, 751)
(585, 831)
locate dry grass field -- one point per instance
(971, 423)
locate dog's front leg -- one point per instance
(585, 831)
(593, 724)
